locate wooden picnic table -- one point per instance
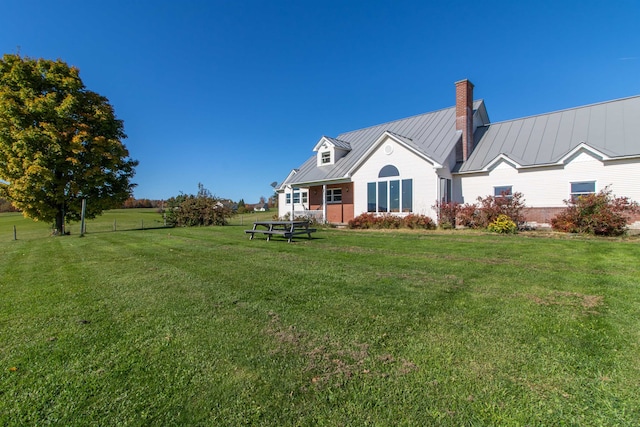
(287, 229)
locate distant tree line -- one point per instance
(142, 203)
(6, 206)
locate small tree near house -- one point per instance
(197, 210)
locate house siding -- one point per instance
(545, 189)
(410, 166)
(528, 154)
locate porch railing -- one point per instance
(315, 215)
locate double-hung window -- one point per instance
(299, 196)
(503, 191)
(334, 195)
(582, 188)
(325, 157)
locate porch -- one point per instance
(329, 203)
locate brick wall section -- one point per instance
(464, 115)
(337, 213)
(541, 217)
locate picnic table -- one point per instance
(287, 229)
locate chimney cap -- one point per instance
(467, 81)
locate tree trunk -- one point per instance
(60, 220)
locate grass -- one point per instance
(203, 327)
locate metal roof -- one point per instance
(339, 143)
(612, 127)
(433, 134)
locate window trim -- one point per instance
(384, 187)
(325, 157)
(573, 195)
(334, 195)
(497, 193)
(299, 197)
(388, 171)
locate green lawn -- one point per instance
(202, 326)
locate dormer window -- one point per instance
(325, 157)
(330, 150)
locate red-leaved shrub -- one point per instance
(365, 220)
(419, 221)
(386, 221)
(601, 214)
(447, 213)
(469, 216)
(488, 209)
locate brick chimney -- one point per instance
(464, 115)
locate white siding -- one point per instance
(282, 205)
(284, 208)
(410, 166)
(549, 186)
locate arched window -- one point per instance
(388, 170)
(390, 195)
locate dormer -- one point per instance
(330, 150)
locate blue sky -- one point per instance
(234, 94)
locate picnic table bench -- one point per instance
(287, 229)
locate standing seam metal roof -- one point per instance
(433, 134)
(612, 127)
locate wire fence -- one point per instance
(15, 227)
(117, 225)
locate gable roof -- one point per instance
(608, 130)
(431, 134)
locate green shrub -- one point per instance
(188, 210)
(601, 214)
(503, 224)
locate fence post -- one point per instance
(114, 225)
(83, 228)
(15, 233)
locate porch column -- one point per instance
(324, 203)
(292, 204)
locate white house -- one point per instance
(457, 154)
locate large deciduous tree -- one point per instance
(59, 143)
